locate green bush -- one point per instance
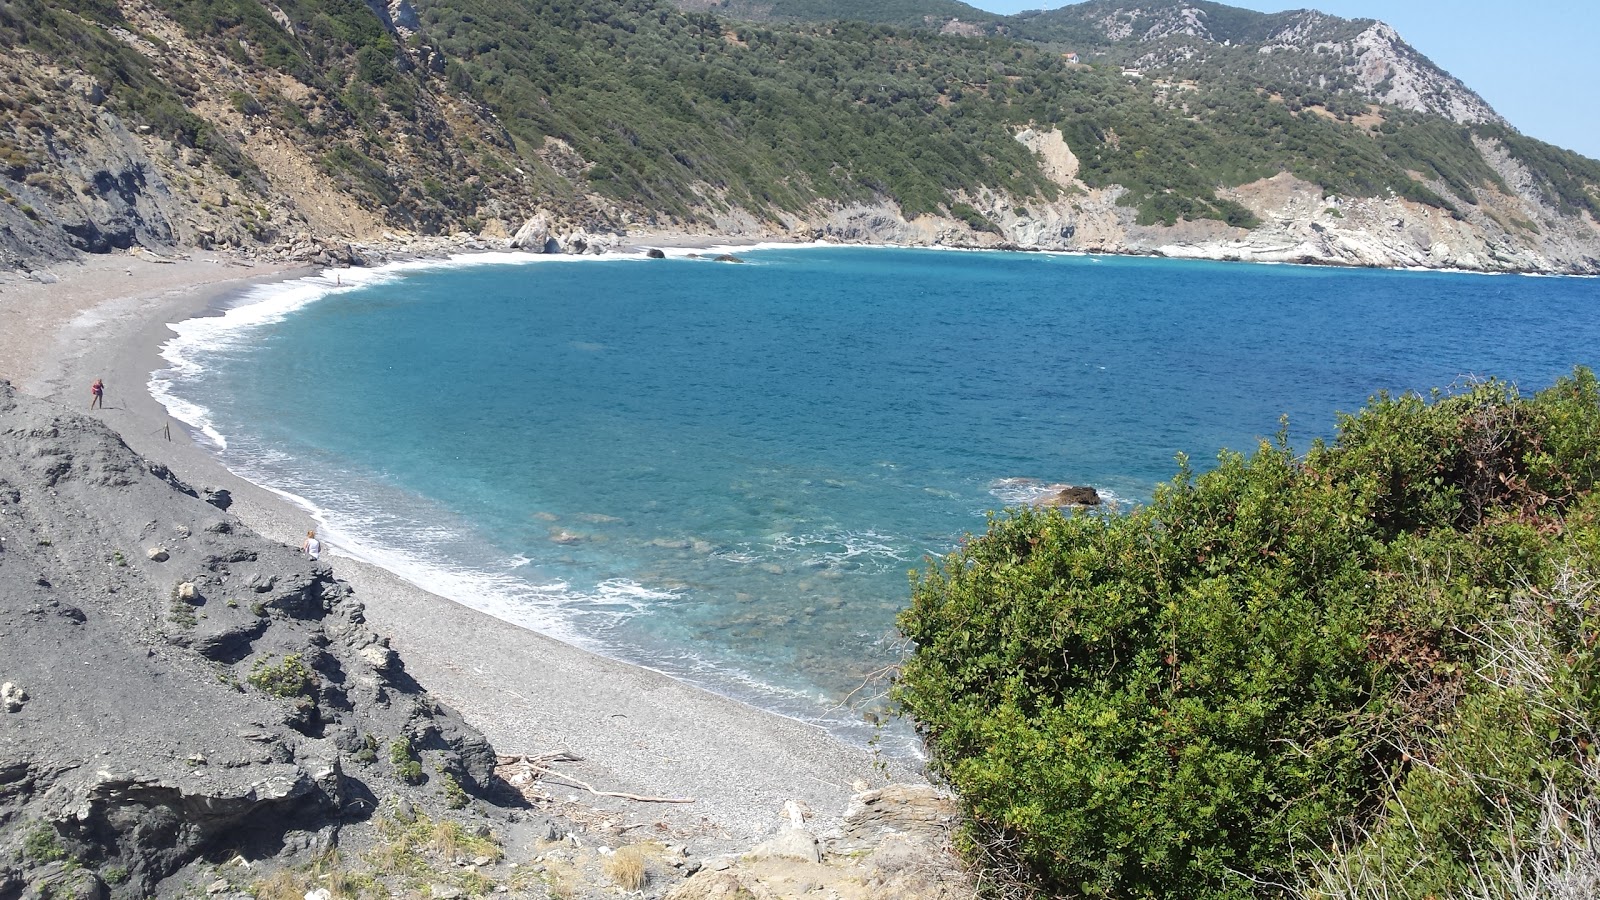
(1189, 700)
(288, 679)
(404, 759)
(42, 844)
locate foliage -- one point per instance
(78, 32)
(1184, 700)
(414, 849)
(1569, 181)
(288, 679)
(42, 844)
(677, 115)
(406, 766)
(454, 796)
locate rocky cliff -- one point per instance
(178, 689)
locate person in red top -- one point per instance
(97, 394)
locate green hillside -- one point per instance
(678, 116)
(883, 12)
(774, 116)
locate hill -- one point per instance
(1183, 129)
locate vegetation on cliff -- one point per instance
(1366, 671)
(441, 114)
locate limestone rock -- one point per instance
(534, 235)
(12, 697)
(158, 554)
(379, 657)
(789, 843)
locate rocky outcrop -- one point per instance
(534, 236)
(214, 692)
(1069, 495)
(894, 844)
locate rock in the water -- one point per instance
(727, 257)
(655, 253)
(1071, 495)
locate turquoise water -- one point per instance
(726, 471)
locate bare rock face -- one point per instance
(228, 697)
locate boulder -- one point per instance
(655, 253)
(790, 843)
(534, 235)
(1071, 495)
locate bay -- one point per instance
(726, 472)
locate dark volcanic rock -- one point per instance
(171, 710)
(1070, 495)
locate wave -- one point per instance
(1033, 491)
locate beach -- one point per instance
(636, 731)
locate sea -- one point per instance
(731, 472)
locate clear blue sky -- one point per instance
(1535, 61)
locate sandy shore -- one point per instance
(637, 731)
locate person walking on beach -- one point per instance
(312, 548)
(97, 395)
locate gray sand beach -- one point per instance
(637, 732)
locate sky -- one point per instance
(1533, 60)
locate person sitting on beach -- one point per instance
(97, 394)
(312, 547)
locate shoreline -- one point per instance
(637, 730)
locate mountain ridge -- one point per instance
(232, 124)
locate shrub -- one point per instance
(42, 844)
(1184, 700)
(406, 766)
(454, 796)
(288, 679)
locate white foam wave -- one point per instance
(835, 547)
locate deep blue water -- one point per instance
(726, 471)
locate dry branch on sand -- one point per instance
(523, 771)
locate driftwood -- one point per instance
(530, 768)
